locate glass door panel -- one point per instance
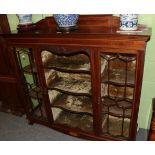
(30, 77)
(68, 79)
(117, 92)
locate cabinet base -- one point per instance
(74, 132)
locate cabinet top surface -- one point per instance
(90, 27)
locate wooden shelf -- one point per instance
(125, 57)
(35, 93)
(119, 109)
(121, 102)
(118, 77)
(77, 104)
(83, 122)
(119, 70)
(71, 86)
(65, 66)
(73, 62)
(113, 126)
(117, 91)
(28, 69)
(117, 112)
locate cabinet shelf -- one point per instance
(69, 67)
(117, 92)
(117, 112)
(35, 93)
(76, 104)
(83, 122)
(63, 66)
(79, 63)
(28, 69)
(121, 103)
(117, 83)
(117, 109)
(71, 86)
(118, 77)
(113, 126)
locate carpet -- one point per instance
(14, 128)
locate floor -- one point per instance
(13, 128)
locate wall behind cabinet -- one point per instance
(148, 87)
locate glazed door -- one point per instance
(117, 93)
(35, 103)
(67, 79)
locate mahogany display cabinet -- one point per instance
(85, 83)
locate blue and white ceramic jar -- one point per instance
(24, 19)
(66, 20)
(128, 21)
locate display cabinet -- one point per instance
(85, 83)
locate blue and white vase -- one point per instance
(128, 22)
(66, 20)
(24, 19)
